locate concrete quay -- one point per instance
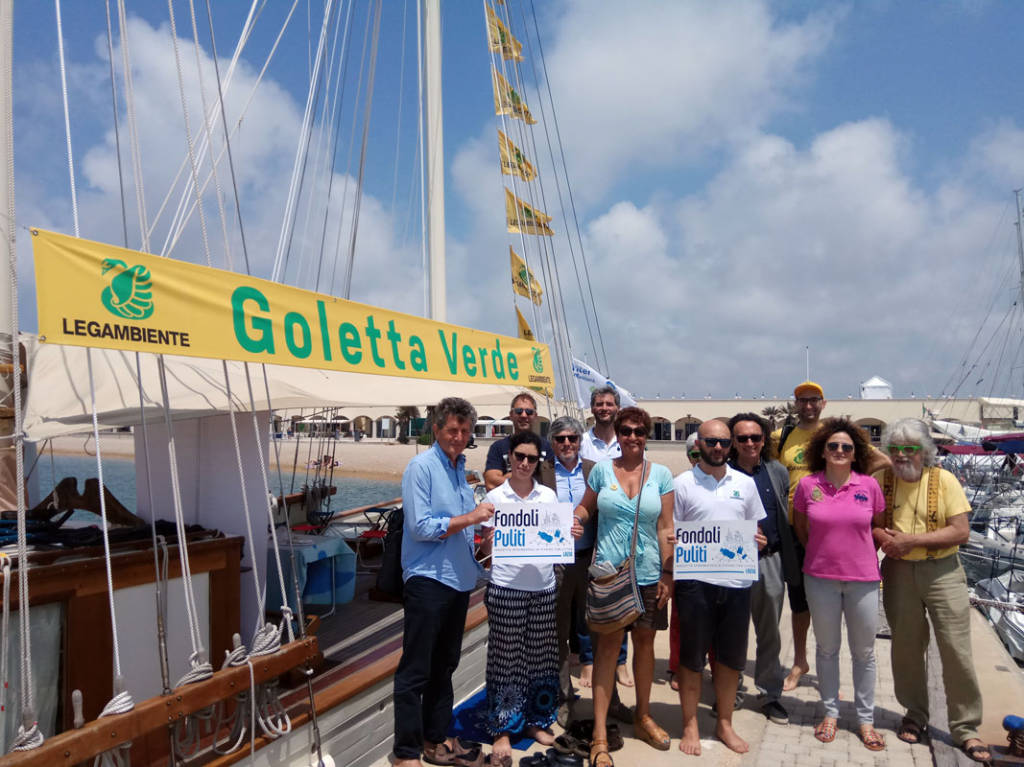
(794, 745)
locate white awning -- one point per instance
(59, 398)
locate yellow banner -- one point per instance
(507, 101)
(523, 281)
(91, 294)
(513, 163)
(525, 332)
(500, 40)
(525, 219)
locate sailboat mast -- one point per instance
(1020, 244)
(435, 158)
(8, 343)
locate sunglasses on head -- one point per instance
(574, 438)
(716, 441)
(520, 457)
(846, 447)
(523, 410)
(628, 431)
(745, 438)
(904, 449)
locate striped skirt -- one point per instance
(522, 659)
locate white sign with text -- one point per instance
(724, 549)
(533, 533)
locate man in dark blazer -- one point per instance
(751, 453)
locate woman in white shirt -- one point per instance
(522, 648)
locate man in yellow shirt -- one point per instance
(926, 521)
(791, 443)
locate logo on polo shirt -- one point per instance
(736, 495)
(859, 496)
(816, 494)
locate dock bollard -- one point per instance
(1014, 726)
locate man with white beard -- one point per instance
(925, 523)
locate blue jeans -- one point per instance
(587, 647)
(830, 601)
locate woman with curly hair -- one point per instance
(620, 491)
(835, 509)
(522, 648)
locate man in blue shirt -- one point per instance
(777, 562)
(439, 570)
(568, 477)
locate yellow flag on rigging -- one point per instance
(525, 219)
(507, 101)
(500, 40)
(513, 163)
(524, 328)
(523, 281)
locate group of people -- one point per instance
(823, 510)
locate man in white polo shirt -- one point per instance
(715, 610)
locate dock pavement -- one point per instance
(794, 745)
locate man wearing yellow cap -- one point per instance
(792, 442)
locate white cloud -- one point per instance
(998, 152)
(666, 83)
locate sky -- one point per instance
(755, 184)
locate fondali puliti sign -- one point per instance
(715, 550)
(91, 294)
(533, 533)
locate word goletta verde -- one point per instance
(363, 343)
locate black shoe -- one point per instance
(622, 712)
(775, 712)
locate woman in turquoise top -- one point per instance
(612, 492)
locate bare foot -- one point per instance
(690, 742)
(501, 748)
(725, 733)
(544, 735)
(794, 677)
(586, 674)
(623, 675)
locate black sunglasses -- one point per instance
(745, 438)
(567, 438)
(846, 447)
(715, 441)
(523, 410)
(626, 431)
(520, 457)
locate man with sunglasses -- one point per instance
(791, 443)
(523, 415)
(601, 442)
(567, 476)
(923, 582)
(714, 609)
(777, 563)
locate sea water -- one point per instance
(119, 478)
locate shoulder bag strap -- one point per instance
(636, 517)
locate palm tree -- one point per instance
(404, 415)
(773, 413)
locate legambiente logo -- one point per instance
(130, 291)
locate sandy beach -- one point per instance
(368, 459)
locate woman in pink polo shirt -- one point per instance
(835, 508)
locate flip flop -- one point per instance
(567, 744)
(556, 759)
(443, 755)
(972, 752)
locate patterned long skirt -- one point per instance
(522, 659)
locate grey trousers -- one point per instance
(572, 587)
(766, 598)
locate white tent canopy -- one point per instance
(60, 402)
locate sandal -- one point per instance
(871, 739)
(826, 730)
(673, 681)
(442, 754)
(568, 744)
(972, 752)
(599, 756)
(647, 730)
(498, 761)
(910, 732)
(556, 759)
